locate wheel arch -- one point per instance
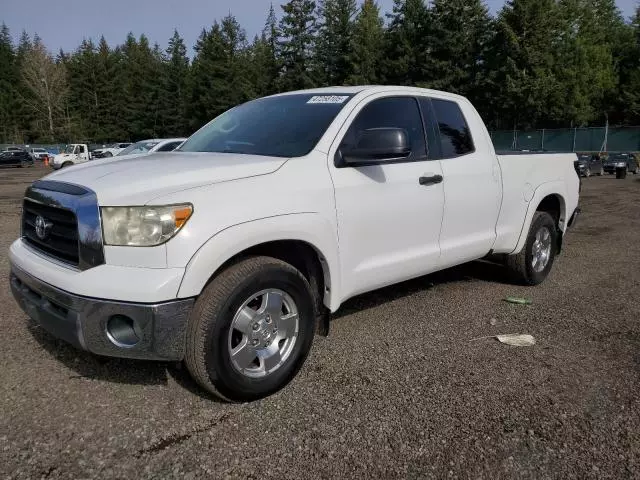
(549, 198)
(313, 251)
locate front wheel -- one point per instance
(251, 329)
(532, 265)
(587, 173)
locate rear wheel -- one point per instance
(532, 265)
(251, 329)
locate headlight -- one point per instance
(143, 226)
(621, 164)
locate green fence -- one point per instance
(619, 139)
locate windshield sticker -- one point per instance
(336, 99)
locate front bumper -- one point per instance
(84, 322)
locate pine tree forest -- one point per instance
(534, 64)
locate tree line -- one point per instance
(536, 64)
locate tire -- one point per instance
(587, 173)
(107, 155)
(211, 337)
(521, 265)
(601, 172)
(66, 164)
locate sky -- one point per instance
(64, 23)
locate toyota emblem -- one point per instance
(42, 227)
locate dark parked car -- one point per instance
(588, 165)
(620, 160)
(16, 158)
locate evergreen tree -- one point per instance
(407, 51)
(218, 78)
(460, 33)
(584, 62)
(628, 91)
(9, 79)
(83, 95)
(296, 48)
(366, 45)
(175, 87)
(141, 82)
(335, 40)
(526, 92)
(110, 93)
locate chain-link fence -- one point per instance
(599, 139)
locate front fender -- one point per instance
(307, 227)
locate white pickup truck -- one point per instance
(228, 253)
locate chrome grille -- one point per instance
(61, 240)
(62, 221)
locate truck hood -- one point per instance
(137, 181)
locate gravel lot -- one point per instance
(398, 390)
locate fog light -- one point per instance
(121, 332)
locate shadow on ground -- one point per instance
(479, 270)
(86, 365)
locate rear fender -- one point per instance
(557, 188)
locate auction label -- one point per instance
(338, 99)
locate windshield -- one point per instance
(69, 149)
(283, 126)
(137, 148)
(620, 158)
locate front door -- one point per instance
(388, 218)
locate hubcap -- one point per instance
(263, 333)
(541, 249)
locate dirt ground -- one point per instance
(397, 390)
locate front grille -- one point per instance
(61, 241)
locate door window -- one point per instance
(391, 112)
(455, 136)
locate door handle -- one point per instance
(432, 180)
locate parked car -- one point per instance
(110, 151)
(588, 165)
(38, 153)
(226, 253)
(621, 160)
(147, 147)
(73, 154)
(16, 158)
(14, 149)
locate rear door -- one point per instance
(388, 222)
(472, 184)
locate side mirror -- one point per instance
(377, 145)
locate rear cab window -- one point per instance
(452, 128)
